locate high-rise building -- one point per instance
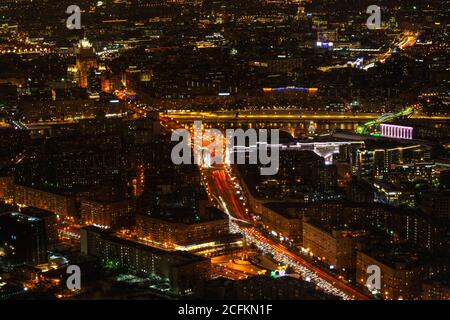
(182, 270)
(181, 230)
(264, 288)
(23, 239)
(94, 83)
(402, 270)
(436, 203)
(86, 60)
(62, 205)
(334, 247)
(108, 214)
(6, 188)
(436, 290)
(50, 221)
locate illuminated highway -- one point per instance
(274, 115)
(221, 185)
(225, 191)
(406, 40)
(267, 115)
(224, 116)
(311, 273)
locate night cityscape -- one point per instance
(225, 150)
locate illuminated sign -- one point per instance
(397, 132)
(278, 273)
(324, 44)
(291, 88)
(281, 272)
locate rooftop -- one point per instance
(186, 215)
(179, 257)
(399, 256)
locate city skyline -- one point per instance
(197, 150)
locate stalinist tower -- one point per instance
(86, 60)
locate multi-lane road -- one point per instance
(281, 115)
(225, 190)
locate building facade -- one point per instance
(182, 270)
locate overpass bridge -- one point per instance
(280, 115)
